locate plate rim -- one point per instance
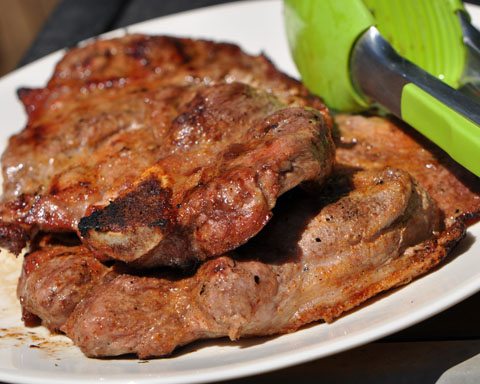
(268, 363)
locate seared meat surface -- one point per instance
(163, 146)
(55, 278)
(317, 258)
(374, 142)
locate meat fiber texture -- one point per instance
(160, 150)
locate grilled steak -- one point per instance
(160, 150)
(317, 258)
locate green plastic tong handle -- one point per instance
(323, 37)
(457, 135)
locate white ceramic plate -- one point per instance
(33, 356)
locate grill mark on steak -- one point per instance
(377, 233)
(115, 109)
(149, 205)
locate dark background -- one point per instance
(76, 20)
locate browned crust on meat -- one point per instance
(148, 205)
(54, 280)
(415, 262)
(376, 142)
(13, 237)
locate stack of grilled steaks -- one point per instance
(168, 190)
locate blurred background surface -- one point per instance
(20, 21)
(30, 29)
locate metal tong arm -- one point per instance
(446, 116)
